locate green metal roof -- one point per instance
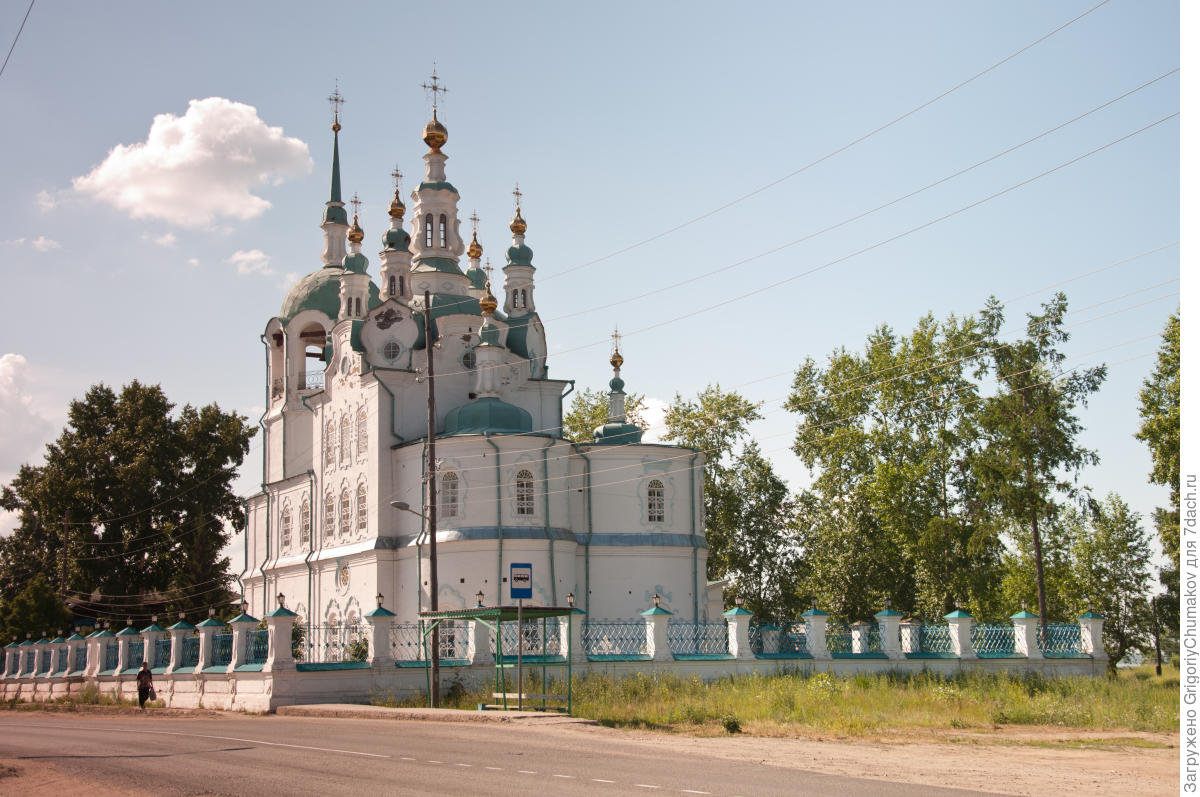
(211, 622)
(520, 255)
(321, 290)
(182, 625)
(654, 611)
(956, 613)
(243, 618)
(153, 628)
(282, 612)
(1024, 615)
(442, 265)
(127, 631)
(736, 611)
(488, 415)
(379, 611)
(439, 185)
(616, 434)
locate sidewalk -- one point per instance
(356, 711)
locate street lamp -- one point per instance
(571, 599)
(479, 599)
(435, 653)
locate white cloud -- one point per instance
(23, 427)
(44, 244)
(193, 262)
(14, 242)
(253, 261)
(655, 414)
(194, 169)
(166, 239)
(45, 200)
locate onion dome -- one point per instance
(616, 361)
(488, 416)
(355, 236)
(518, 224)
(435, 134)
(474, 251)
(396, 209)
(487, 303)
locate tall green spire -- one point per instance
(335, 185)
(334, 210)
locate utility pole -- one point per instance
(431, 509)
(1157, 647)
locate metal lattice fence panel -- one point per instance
(334, 643)
(994, 641)
(935, 639)
(1060, 639)
(256, 646)
(538, 637)
(405, 642)
(45, 664)
(80, 663)
(615, 638)
(837, 640)
(782, 639)
(698, 639)
(874, 642)
(222, 650)
(191, 651)
(162, 652)
(110, 656)
(454, 640)
(137, 652)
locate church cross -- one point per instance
(396, 177)
(474, 222)
(433, 86)
(357, 204)
(336, 101)
(616, 337)
(517, 195)
(488, 268)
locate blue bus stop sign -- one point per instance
(520, 581)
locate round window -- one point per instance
(391, 350)
(468, 359)
(344, 576)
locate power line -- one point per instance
(15, 38)
(826, 157)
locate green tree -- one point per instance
(37, 609)
(1030, 426)
(589, 409)
(128, 515)
(889, 433)
(1159, 410)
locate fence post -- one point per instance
(479, 644)
(124, 637)
(960, 623)
(815, 622)
(241, 627)
(1091, 635)
(737, 621)
(279, 639)
(150, 636)
(98, 643)
(207, 628)
(10, 659)
(656, 633)
(178, 632)
(572, 643)
(379, 647)
(74, 642)
(58, 653)
(889, 632)
(1025, 624)
(38, 648)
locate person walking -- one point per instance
(145, 685)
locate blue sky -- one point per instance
(621, 121)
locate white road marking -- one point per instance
(646, 786)
(210, 736)
(497, 769)
(693, 791)
(431, 761)
(464, 765)
(602, 780)
(563, 776)
(526, 771)
(407, 758)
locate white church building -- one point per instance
(612, 522)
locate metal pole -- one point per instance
(520, 683)
(1157, 647)
(431, 508)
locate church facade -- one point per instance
(611, 522)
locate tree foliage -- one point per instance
(1159, 399)
(589, 410)
(128, 514)
(36, 610)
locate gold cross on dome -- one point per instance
(396, 177)
(433, 86)
(488, 268)
(616, 338)
(517, 195)
(336, 101)
(474, 221)
(356, 204)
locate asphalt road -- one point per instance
(286, 755)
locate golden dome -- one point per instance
(335, 127)
(488, 303)
(435, 134)
(518, 224)
(396, 209)
(474, 251)
(616, 361)
(355, 235)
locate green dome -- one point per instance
(488, 415)
(520, 255)
(396, 239)
(319, 291)
(356, 263)
(616, 434)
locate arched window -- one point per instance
(524, 493)
(399, 285)
(358, 305)
(448, 496)
(285, 527)
(442, 230)
(344, 440)
(305, 521)
(329, 450)
(391, 286)
(349, 306)
(344, 514)
(524, 299)
(361, 442)
(429, 229)
(360, 514)
(327, 520)
(656, 503)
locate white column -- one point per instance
(889, 632)
(178, 632)
(656, 633)
(379, 644)
(738, 621)
(241, 631)
(1091, 635)
(572, 638)
(279, 640)
(479, 645)
(815, 622)
(72, 646)
(960, 624)
(1025, 624)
